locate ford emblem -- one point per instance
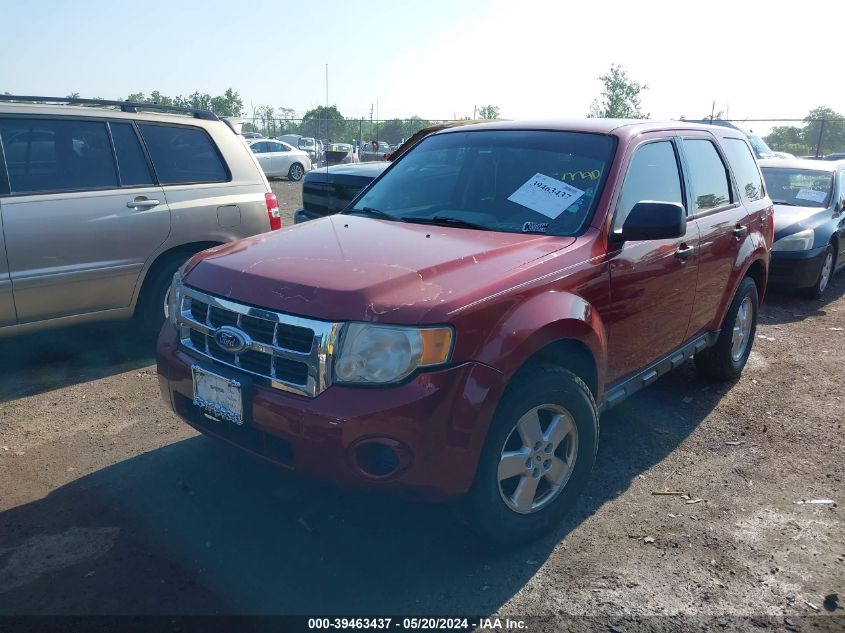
(231, 339)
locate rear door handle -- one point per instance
(142, 203)
(740, 231)
(684, 251)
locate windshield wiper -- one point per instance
(441, 220)
(784, 203)
(376, 213)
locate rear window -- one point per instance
(745, 168)
(799, 187)
(182, 154)
(44, 155)
(510, 180)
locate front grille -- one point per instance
(291, 353)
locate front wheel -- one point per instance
(153, 302)
(726, 359)
(296, 172)
(816, 291)
(537, 457)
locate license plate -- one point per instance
(218, 396)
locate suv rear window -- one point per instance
(44, 155)
(708, 176)
(745, 168)
(182, 154)
(510, 180)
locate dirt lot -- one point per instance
(110, 505)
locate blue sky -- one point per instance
(436, 58)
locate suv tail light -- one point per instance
(273, 211)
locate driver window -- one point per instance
(652, 175)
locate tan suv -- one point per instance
(102, 201)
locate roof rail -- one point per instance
(125, 106)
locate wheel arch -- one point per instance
(163, 259)
(575, 339)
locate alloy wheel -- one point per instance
(742, 329)
(538, 458)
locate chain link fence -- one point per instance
(816, 137)
(390, 131)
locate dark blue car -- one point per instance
(809, 199)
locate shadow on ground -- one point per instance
(205, 529)
(43, 361)
(788, 306)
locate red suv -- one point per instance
(457, 331)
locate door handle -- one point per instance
(740, 231)
(684, 251)
(142, 203)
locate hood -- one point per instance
(352, 268)
(789, 220)
(355, 171)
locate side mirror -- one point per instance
(650, 220)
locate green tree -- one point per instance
(620, 97)
(325, 123)
(227, 104)
(488, 112)
(825, 139)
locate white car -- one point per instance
(278, 159)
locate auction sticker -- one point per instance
(546, 195)
(813, 195)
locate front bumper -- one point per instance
(796, 269)
(437, 423)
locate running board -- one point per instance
(629, 386)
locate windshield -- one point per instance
(512, 181)
(760, 148)
(306, 143)
(798, 187)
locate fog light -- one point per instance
(381, 457)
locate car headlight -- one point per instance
(380, 354)
(174, 296)
(801, 241)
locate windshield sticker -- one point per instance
(813, 195)
(581, 175)
(535, 227)
(546, 195)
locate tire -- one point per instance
(296, 172)
(153, 300)
(725, 360)
(489, 508)
(816, 291)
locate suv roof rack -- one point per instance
(125, 106)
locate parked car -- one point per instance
(836, 156)
(88, 200)
(340, 154)
(305, 143)
(809, 198)
(331, 190)
(374, 151)
(457, 331)
(280, 160)
(252, 135)
(784, 155)
(761, 150)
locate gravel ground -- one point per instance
(110, 505)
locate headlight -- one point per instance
(801, 241)
(379, 354)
